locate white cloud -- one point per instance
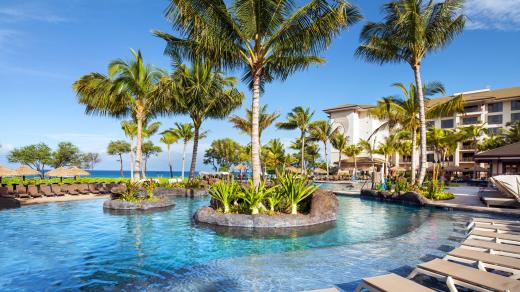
(5, 148)
(493, 14)
(29, 13)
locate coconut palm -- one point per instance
(387, 148)
(299, 118)
(473, 133)
(270, 40)
(353, 151)
(184, 131)
(340, 142)
(202, 92)
(411, 30)
(491, 141)
(323, 131)
(245, 124)
(127, 90)
(168, 138)
(405, 112)
(274, 155)
(512, 133)
(370, 148)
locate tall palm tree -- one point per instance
(405, 112)
(299, 118)
(274, 155)
(183, 131)
(168, 138)
(245, 124)
(411, 30)
(340, 142)
(128, 90)
(387, 148)
(130, 129)
(353, 150)
(473, 133)
(268, 39)
(370, 147)
(512, 132)
(323, 131)
(202, 92)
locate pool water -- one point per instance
(77, 245)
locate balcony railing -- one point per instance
(468, 158)
(467, 147)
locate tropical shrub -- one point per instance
(402, 185)
(254, 196)
(295, 189)
(131, 193)
(225, 191)
(149, 186)
(274, 199)
(435, 191)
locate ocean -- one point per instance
(150, 173)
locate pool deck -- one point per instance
(466, 199)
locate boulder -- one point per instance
(9, 203)
(409, 198)
(158, 203)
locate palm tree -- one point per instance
(245, 124)
(298, 118)
(387, 148)
(353, 151)
(339, 141)
(269, 39)
(274, 155)
(168, 138)
(512, 133)
(405, 112)
(202, 93)
(473, 133)
(411, 30)
(185, 132)
(118, 148)
(130, 129)
(370, 148)
(323, 131)
(128, 90)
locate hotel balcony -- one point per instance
(467, 159)
(467, 147)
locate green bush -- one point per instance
(254, 196)
(274, 199)
(295, 189)
(402, 185)
(225, 191)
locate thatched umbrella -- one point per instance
(479, 168)
(76, 171)
(25, 170)
(62, 172)
(320, 171)
(4, 171)
(292, 169)
(241, 168)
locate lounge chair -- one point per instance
(46, 191)
(492, 247)
(21, 191)
(32, 190)
(459, 275)
(93, 189)
(4, 193)
(82, 189)
(495, 221)
(496, 228)
(70, 189)
(390, 283)
(495, 236)
(486, 261)
(57, 190)
(509, 185)
(10, 190)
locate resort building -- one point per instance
(492, 108)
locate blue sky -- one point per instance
(45, 45)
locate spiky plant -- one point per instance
(225, 191)
(295, 189)
(253, 196)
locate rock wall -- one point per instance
(324, 206)
(408, 198)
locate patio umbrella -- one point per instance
(454, 168)
(320, 171)
(25, 170)
(76, 171)
(62, 172)
(4, 171)
(292, 169)
(397, 168)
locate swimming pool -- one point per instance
(76, 245)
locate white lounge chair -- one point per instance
(496, 228)
(486, 261)
(492, 222)
(492, 247)
(463, 276)
(390, 283)
(495, 236)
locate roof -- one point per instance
(473, 96)
(511, 150)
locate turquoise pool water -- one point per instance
(76, 245)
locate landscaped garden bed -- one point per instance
(137, 197)
(290, 202)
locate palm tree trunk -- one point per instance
(183, 158)
(170, 161)
(302, 165)
(412, 155)
(339, 162)
(139, 150)
(355, 167)
(255, 130)
(195, 149)
(326, 159)
(132, 158)
(475, 142)
(121, 162)
(422, 122)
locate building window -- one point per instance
(467, 157)
(515, 105)
(446, 124)
(470, 121)
(495, 119)
(471, 108)
(493, 131)
(430, 157)
(407, 158)
(430, 124)
(494, 107)
(515, 117)
(467, 145)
